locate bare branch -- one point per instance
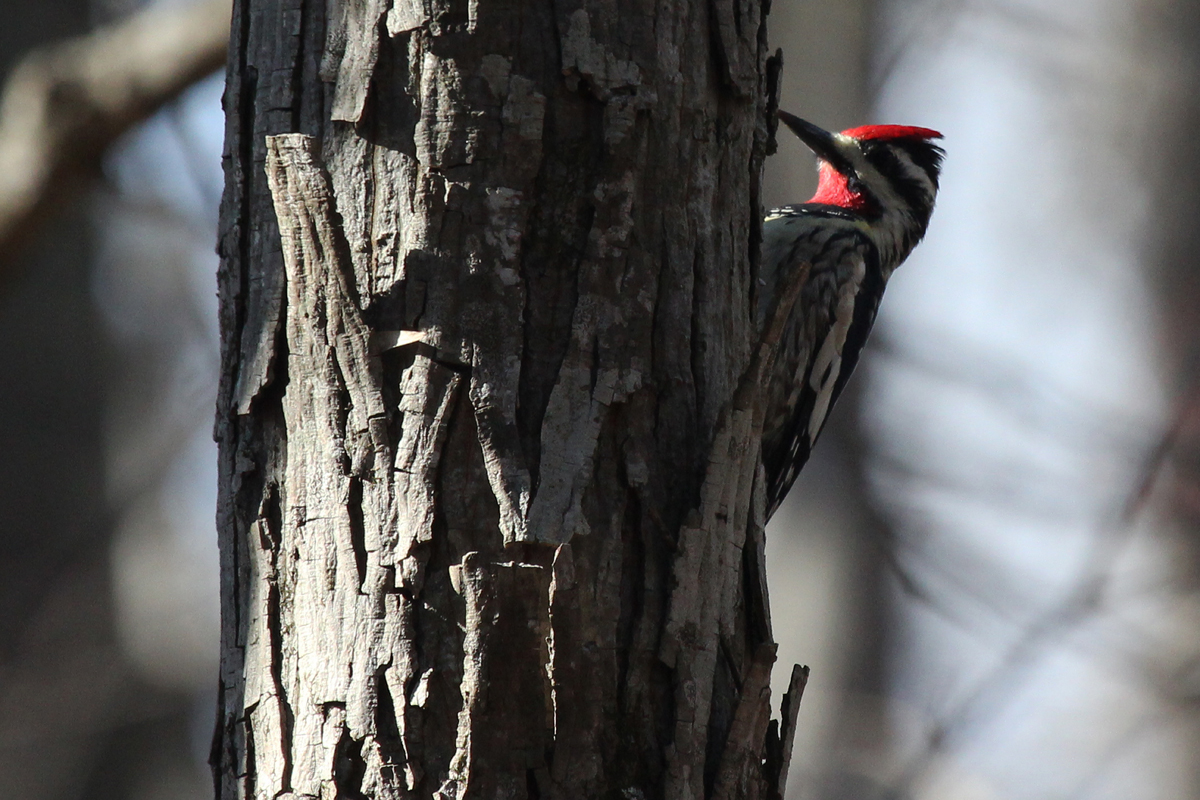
(65, 104)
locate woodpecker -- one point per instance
(875, 194)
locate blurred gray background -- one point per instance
(990, 563)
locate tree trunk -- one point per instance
(519, 555)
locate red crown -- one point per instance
(891, 132)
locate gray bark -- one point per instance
(521, 554)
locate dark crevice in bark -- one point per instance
(251, 767)
(698, 346)
(720, 58)
(297, 77)
(387, 728)
(247, 77)
(555, 241)
(772, 760)
(442, 637)
(724, 704)
(237, 258)
(467, 507)
(244, 255)
(633, 578)
(272, 515)
(657, 549)
(429, 626)
(349, 768)
(246, 500)
(595, 363)
(275, 630)
(758, 629)
(662, 681)
(358, 535)
(343, 456)
(316, 103)
(391, 115)
(673, 409)
(392, 366)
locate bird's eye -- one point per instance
(855, 185)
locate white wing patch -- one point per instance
(828, 363)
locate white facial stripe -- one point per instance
(878, 184)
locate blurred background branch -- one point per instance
(109, 177)
(66, 103)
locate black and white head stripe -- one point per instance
(911, 167)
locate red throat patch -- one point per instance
(833, 189)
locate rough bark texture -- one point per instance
(521, 555)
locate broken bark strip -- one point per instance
(322, 301)
(741, 763)
(504, 709)
(335, 488)
(486, 322)
(781, 735)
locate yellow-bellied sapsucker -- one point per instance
(874, 198)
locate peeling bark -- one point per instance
(491, 510)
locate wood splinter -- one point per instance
(383, 341)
